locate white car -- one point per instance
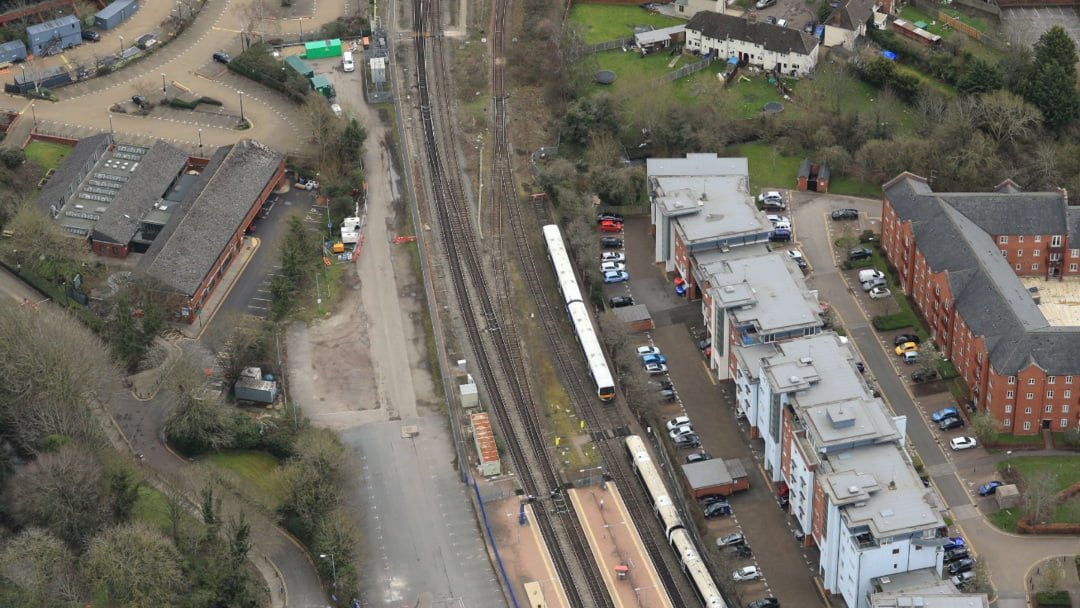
(612, 267)
(794, 254)
(746, 573)
(870, 274)
(781, 226)
(677, 422)
(778, 219)
(679, 431)
(771, 195)
(655, 369)
(879, 292)
(645, 351)
(612, 256)
(962, 443)
(336, 109)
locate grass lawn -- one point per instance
(1006, 519)
(913, 15)
(152, 508)
(252, 473)
(634, 72)
(768, 169)
(46, 154)
(605, 22)
(1019, 439)
(1066, 468)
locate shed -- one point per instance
(378, 69)
(1007, 496)
(636, 316)
(56, 76)
(469, 396)
(486, 451)
(54, 36)
(716, 476)
(298, 64)
(115, 14)
(813, 177)
(322, 86)
(12, 51)
(251, 386)
(321, 49)
(652, 41)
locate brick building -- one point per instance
(958, 256)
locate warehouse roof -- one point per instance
(140, 194)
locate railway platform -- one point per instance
(616, 546)
(525, 555)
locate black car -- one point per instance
(610, 242)
(140, 101)
(951, 423)
(765, 602)
(699, 457)
(859, 253)
(954, 554)
(665, 385)
(902, 338)
(709, 499)
(801, 263)
(771, 20)
(687, 442)
(962, 565)
(615, 217)
(924, 375)
(620, 301)
(717, 509)
(780, 236)
(222, 57)
(91, 35)
(742, 551)
(845, 214)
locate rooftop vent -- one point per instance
(794, 379)
(806, 360)
(853, 489)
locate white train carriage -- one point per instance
(696, 570)
(578, 311)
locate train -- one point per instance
(578, 311)
(674, 530)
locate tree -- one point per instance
(64, 493)
(311, 477)
(1050, 81)
(1052, 575)
(336, 534)
(198, 420)
(40, 245)
(37, 571)
(124, 492)
(985, 426)
(134, 565)
(980, 77)
(1006, 118)
(930, 358)
(1041, 495)
(1056, 46)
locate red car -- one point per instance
(611, 226)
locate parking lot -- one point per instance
(1023, 26)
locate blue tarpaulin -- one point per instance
(891, 56)
(733, 60)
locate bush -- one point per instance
(1053, 598)
(896, 321)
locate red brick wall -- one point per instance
(109, 250)
(1024, 251)
(817, 524)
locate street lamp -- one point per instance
(200, 142)
(164, 90)
(121, 45)
(241, 106)
(34, 114)
(333, 567)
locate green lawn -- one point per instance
(152, 508)
(914, 15)
(603, 22)
(253, 473)
(1066, 468)
(48, 155)
(634, 72)
(1006, 519)
(768, 169)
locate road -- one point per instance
(1007, 556)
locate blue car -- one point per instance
(647, 359)
(989, 487)
(615, 276)
(949, 412)
(954, 543)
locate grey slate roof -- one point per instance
(854, 13)
(65, 180)
(157, 170)
(770, 37)
(1012, 213)
(187, 249)
(1072, 220)
(985, 290)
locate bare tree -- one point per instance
(1041, 495)
(1007, 118)
(63, 492)
(38, 241)
(985, 426)
(929, 358)
(134, 565)
(1052, 575)
(37, 571)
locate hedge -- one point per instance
(899, 320)
(1053, 598)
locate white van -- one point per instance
(347, 62)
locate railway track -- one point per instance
(487, 319)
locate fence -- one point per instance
(934, 10)
(592, 49)
(686, 70)
(494, 546)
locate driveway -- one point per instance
(955, 474)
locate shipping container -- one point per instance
(115, 14)
(54, 36)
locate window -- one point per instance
(1051, 379)
(1068, 379)
(1003, 252)
(1049, 394)
(1008, 422)
(1038, 238)
(1017, 266)
(1072, 267)
(1067, 395)
(1065, 407)
(1055, 241)
(1012, 379)
(1004, 240)
(1031, 381)
(1019, 253)
(1009, 395)
(1034, 266)
(1008, 409)
(1048, 409)
(896, 551)
(1027, 426)
(1020, 239)
(1036, 252)
(1064, 422)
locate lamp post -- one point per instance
(333, 567)
(110, 125)
(164, 90)
(121, 45)
(200, 143)
(34, 114)
(241, 106)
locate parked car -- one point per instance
(764, 4)
(945, 413)
(949, 424)
(923, 375)
(668, 394)
(765, 602)
(706, 343)
(780, 236)
(678, 421)
(610, 266)
(879, 292)
(735, 538)
(678, 431)
(961, 565)
(778, 219)
(709, 499)
(620, 301)
(648, 350)
(954, 542)
(647, 359)
(859, 253)
(687, 442)
(717, 509)
(655, 369)
(145, 41)
(612, 256)
(845, 214)
(910, 357)
(664, 385)
(222, 57)
(962, 443)
(770, 20)
(990, 487)
(699, 457)
(953, 555)
(610, 226)
(907, 347)
(614, 217)
(898, 340)
(872, 283)
(869, 274)
(610, 242)
(615, 276)
(91, 35)
(962, 579)
(794, 254)
(770, 195)
(746, 573)
(140, 101)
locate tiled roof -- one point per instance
(66, 178)
(770, 37)
(157, 169)
(1012, 213)
(187, 249)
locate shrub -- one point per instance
(1053, 598)
(896, 321)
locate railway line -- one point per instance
(489, 325)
